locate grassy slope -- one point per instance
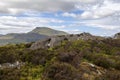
(62, 62)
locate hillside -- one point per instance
(0, 34)
(47, 31)
(87, 58)
(38, 33)
(20, 38)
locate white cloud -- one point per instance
(21, 23)
(108, 23)
(18, 6)
(74, 31)
(81, 1)
(107, 8)
(66, 14)
(103, 14)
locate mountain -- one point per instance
(20, 38)
(47, 31)
(117, 36)
(36, 34)
(0, 34)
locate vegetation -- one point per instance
(69, 61)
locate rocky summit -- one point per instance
(56, 40)
(117, 36)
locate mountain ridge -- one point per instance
(47, 31)
(42, 33)
(31, 36)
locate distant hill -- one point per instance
(20, 38)
(117, 36)
(34, 35)
(1, 35)
(47, 31)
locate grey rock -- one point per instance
(117, 36)
(56, 40)
(17, 64)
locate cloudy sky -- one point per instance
(99, 17)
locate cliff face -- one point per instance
(56, 40)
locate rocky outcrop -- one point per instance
(17, 64)
(90, 71)
(56, 40)
(117, 36)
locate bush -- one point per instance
(9, 74)
(111, 75)
(100, 60)
(71, 57)
(60, 71)
(37, 57)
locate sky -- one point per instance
(98, 17)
